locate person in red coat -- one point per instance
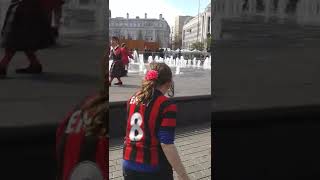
(125, 54)
(117, 67)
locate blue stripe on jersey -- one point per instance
(134, 166)
(166, 135)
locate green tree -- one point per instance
(198, 46)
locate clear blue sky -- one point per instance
(189, 7)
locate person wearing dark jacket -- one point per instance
(26, 28)
(54, 9)
(117, 67)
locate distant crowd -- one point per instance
(164, 53)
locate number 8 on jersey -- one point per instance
(136, 132)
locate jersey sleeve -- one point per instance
(168, 120)
(117, 51)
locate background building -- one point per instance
(177, 38)
(147, 29)
(84, 16)
(196, 29)
(78, 16)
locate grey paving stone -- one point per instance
(71, 72)
(196, 157)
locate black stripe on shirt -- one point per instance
(88, 149)
(170, 115)
(147, 143)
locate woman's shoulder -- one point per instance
(166, 101)
(134, 96)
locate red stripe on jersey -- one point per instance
(169, 122)
(153, 118)
(152, 125)
(139, 145)
(154, 156)
(101, 156)
(170, 108)
(72, 152)
(139, 157)
(127, 152)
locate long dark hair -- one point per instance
(148, 86)
(97, 107)
(97, 110)
(115, 39)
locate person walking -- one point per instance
(26, 28)
(117, 67)
(125, 54)
(149, 151)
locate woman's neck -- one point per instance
(163, 90)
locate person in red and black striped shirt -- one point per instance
(82, 143)
(82, 137)
(149, 151)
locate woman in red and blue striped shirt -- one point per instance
(149, 150)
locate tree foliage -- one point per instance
(198, 46)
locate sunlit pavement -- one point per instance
(194, 147)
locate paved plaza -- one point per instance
(263, 65)
(194, 147)
(192, 82)
(71, 71)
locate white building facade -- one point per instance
(304, 12)
(179, 22)
(84, 16)
(196, 29)
(148, 29)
